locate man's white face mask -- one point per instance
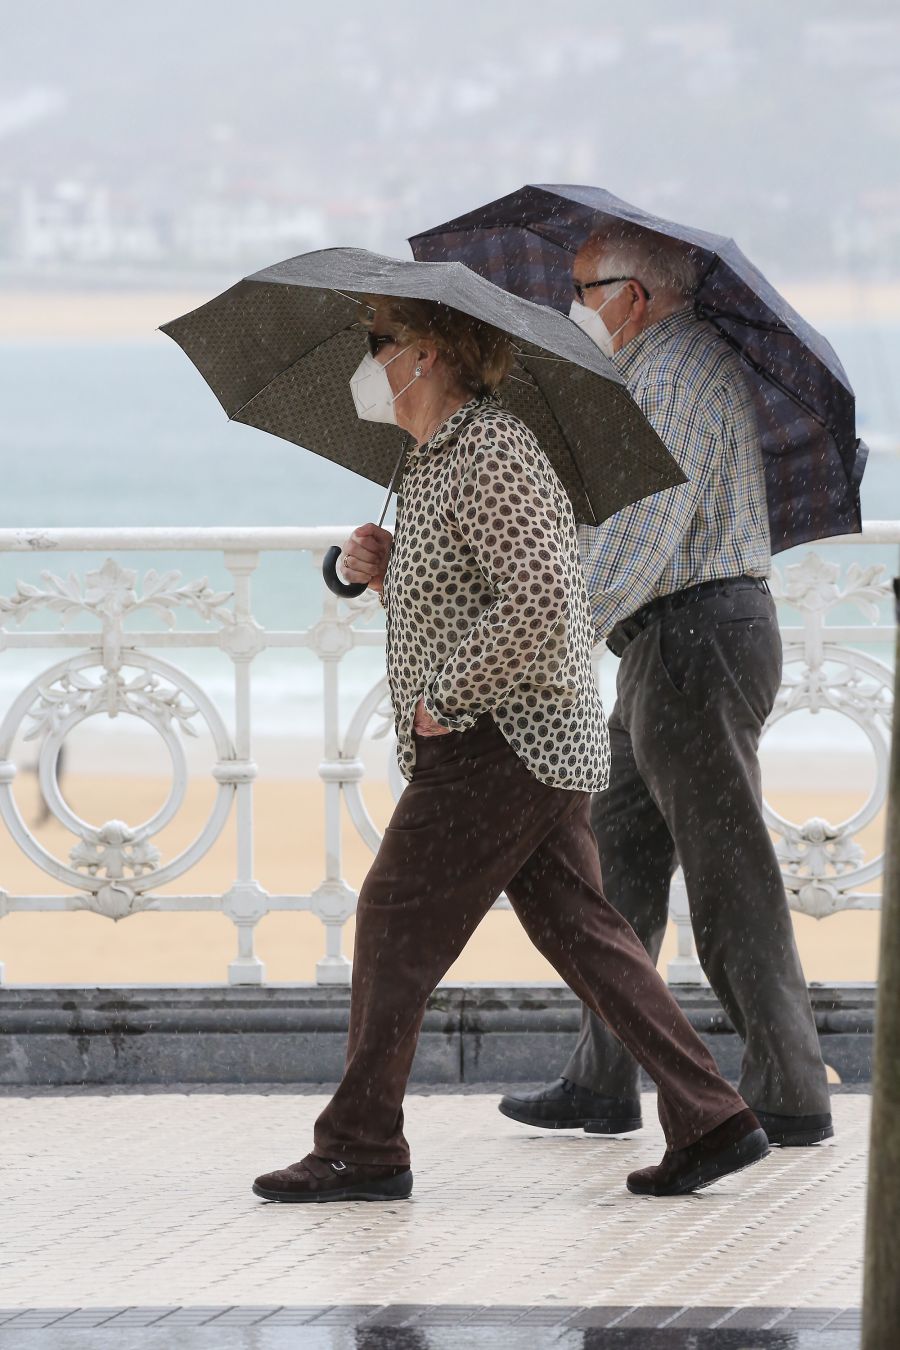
(373, 397)
(591, 322)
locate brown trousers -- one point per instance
(472, 823)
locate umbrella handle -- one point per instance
(346, 589)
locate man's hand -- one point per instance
(425, 725)
(364, 557)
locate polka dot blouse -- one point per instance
(486, 604)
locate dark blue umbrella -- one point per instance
(525, 242)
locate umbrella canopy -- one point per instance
(526, 241)
(278, 350)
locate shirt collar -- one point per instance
(639, 348)
(451, 426)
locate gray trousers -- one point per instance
(694, 690)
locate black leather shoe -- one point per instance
(566, 1106)
(735, 1144)
(796, 1131)
(319, 1180)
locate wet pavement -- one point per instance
(128, 1222)
(525, 1334)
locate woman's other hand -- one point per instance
(425, 725)
(364, 557)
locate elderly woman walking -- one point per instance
(501, 738)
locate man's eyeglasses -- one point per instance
(581, 287)
(376, 341)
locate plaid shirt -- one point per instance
(691, 388)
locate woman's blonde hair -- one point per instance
(476, 354)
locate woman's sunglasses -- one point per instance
(375, 342)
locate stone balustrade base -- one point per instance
(296, 1033)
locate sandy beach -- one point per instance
(72, 316)
(123, 315)
(170, 948)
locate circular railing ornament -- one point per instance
(114, 864)
(821, 862)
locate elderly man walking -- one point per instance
(678, 590)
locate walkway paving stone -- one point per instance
(134, 1213)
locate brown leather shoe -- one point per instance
(321, 1179)
(737, 1143)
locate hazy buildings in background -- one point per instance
(145, 142)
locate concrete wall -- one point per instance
(297, 1033)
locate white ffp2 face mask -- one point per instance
(373, 397)
(591, 322)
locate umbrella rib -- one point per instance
(769, 377)
(754, 365)
(314, 348)
(531, 230)
(560, 360)
(513, 225)
(548, 405)
(707, 312)
(354, 299)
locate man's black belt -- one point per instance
(627, 629)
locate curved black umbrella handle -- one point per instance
(347, 589)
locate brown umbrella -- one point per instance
(278, 350)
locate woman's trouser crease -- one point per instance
(475, 822)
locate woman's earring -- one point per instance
(418, 370)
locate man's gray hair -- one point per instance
(662, 265)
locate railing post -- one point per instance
(245, 902)
(333, 900)
(684, 968)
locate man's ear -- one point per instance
(639, 300)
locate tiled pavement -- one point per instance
(127, 1220)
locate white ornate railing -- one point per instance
(120, 669)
